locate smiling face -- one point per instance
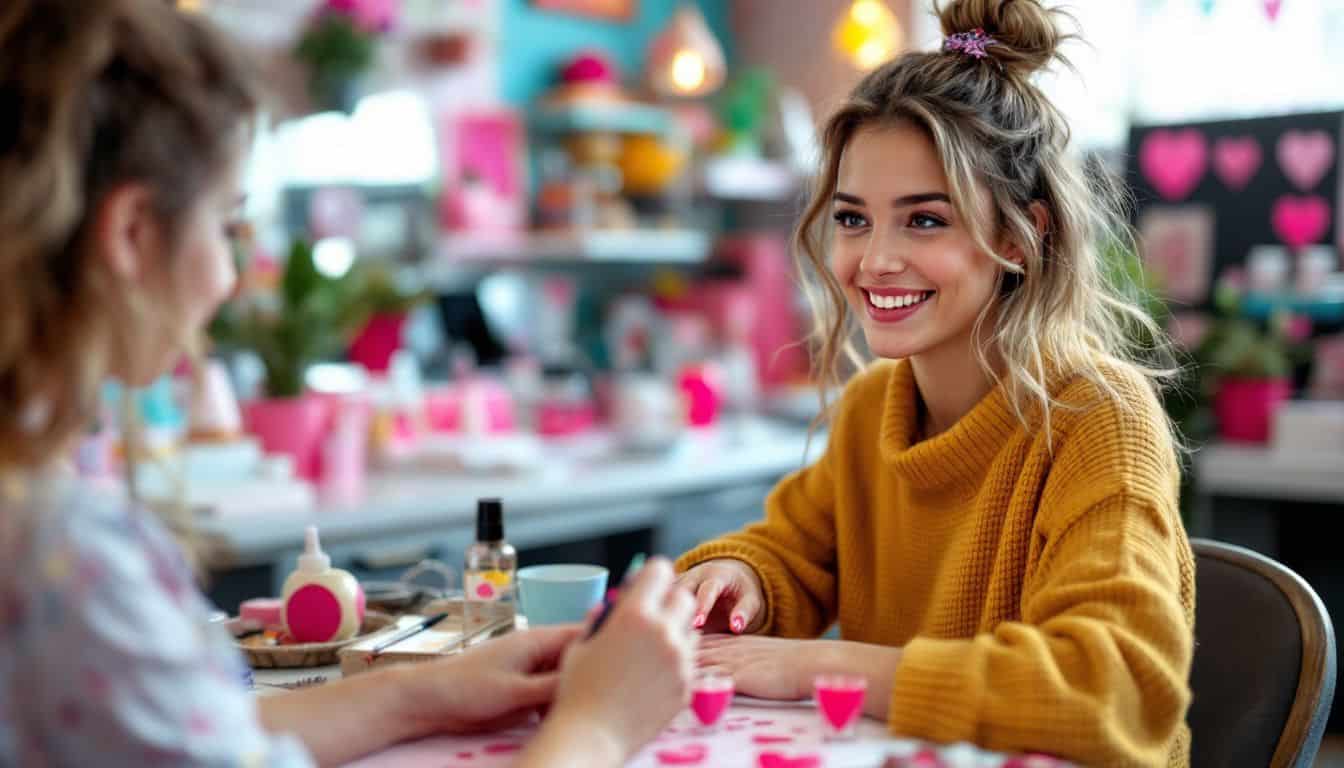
(905, 258)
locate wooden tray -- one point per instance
(262, 656)
(466, 625)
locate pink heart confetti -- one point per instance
(688, 754)
(783, 760)
(771, 738)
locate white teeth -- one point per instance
(892, 302)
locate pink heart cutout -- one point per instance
(1237, 160)
(1272, 8)
(688, 754)
(770, 738)
(782, 760)
(1305, 157)
(1174, 161)
(1301, 221)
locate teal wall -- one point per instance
(535, 43)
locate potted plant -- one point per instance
(309, 318)
(1247, 372)
(340, 45)
(387, 305)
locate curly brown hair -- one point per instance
(95, 95)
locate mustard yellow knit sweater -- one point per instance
(1045, 602)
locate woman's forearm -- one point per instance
(344, 719)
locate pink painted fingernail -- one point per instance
(699, 621)
(738, 625)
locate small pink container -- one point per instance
(840, 701)
(710, 698)
(263, 612)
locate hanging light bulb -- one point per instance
(191, 6)
(685, 59)
(868, 34)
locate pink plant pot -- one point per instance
(295, 427)
(374, 345)
(1245, 408)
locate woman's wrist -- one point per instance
(406, 715)
(571, 738)
(875, 663)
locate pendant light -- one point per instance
(686, 60)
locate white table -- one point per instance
(751, 727)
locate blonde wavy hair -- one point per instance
(98, 95)
(1061, 312)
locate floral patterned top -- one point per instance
(107, 656)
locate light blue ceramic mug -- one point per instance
(560, 594)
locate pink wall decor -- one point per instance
(1237, 160)
(1174, 161)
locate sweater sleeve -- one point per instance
(792, 551)
(1096, 670)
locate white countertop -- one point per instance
(1262, 472)
(407, 501)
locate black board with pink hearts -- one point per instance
(1235, 184)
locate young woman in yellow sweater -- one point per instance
(994, 524)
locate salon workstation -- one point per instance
(723, 383)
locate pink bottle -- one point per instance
(321, 603)
(343, 456)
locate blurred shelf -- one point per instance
(608, 118)
(615, 247)
(750, 179)
(1264, 473)
(1327, 308)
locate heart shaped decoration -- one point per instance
(1174, 161)
(1301, 221)
(1305, 157)
(1236, 160)
(687, 754)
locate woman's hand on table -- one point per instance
(492, 686)
(779, 669)
(619, 689)
(728, 596)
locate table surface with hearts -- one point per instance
(753, 734)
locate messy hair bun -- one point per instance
(1003, 145)
(1027, 33)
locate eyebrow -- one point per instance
(900, 202)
